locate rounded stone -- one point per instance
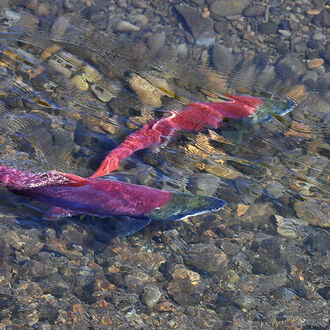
(124, 26)
(267, 28)
(255, 10)
(156, 41)
(101, 93)
(310, 76)
(229, 7)
(151, 295)
(315, 63)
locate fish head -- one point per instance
(271, 108)
(182, 205)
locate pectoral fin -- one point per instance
(75, 180)
(55, 213)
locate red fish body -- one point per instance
(72, 194)
(194, 118)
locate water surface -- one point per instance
(72, 88)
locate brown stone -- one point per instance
(242, 209)
(313, 12)
(315, 63)
(299, 129)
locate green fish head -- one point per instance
(184, 205)
(271, 108)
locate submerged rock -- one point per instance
(156, 41)
(200, 27)
(147, 92)
(205, 183)
(268, 27)
(259, 213)
(151, 295)
(125, 26)
(255, 10)
(206, 258)
(314, 212)
(290, 65)
(290, 227)
(223, 58)
(101, 93)
(186, 286)
(229, 7)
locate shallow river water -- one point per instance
(77, 77)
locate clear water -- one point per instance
(67, 99)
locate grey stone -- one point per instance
(269, 248)
(182, 49)
(101, 93)
(135, 318)
(60, 26)
(206, 257)
(313, 44)
(38, 269)
(44, 326)
(275, 189)
(59, 67)
(201, 28)
(326, 55)
(310, 75)
(138, 19)
(266, 266)
(259, 213)
(186, 286)
(140, 3)
(285, 33)
(229, 7)
(325, 18)
(267, 28)
(318, 36)
(124, 26)
(314, 212)
(156, 41)
(151, 295)
(122, 3)
(222, 58)
(12, 15)
(230, 248)
(255, 10)
(319, 241)
(246, 301)
(300, 47)
(290, 227)
(291, 63)
(205, 183)
(135, 281)
(84, 276)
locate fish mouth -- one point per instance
(181, 206)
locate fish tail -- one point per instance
(109, 164)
